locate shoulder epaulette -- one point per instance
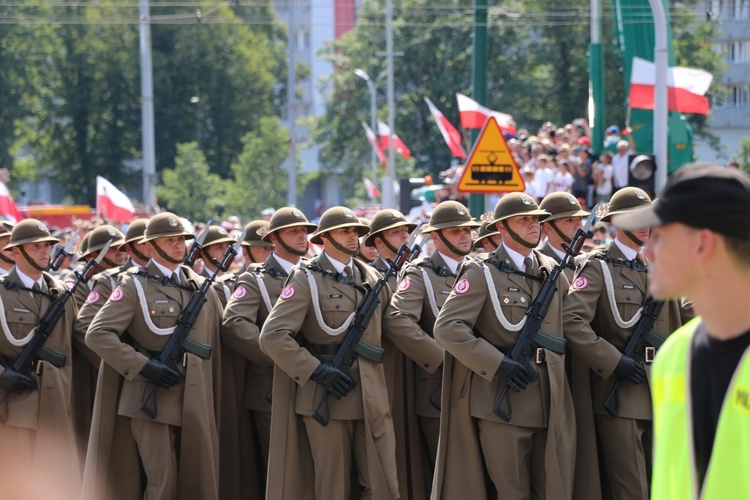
(630, 264)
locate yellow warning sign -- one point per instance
(491, 167)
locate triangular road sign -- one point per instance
(491, 167)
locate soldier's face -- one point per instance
(217, 251)
(4, 241)
(257, 254)
(295, 237)
(38, 252)
(525, 226)
(347, 237)
(397, 236)
(174, 246)
(569, 225)
(459, 237)
(674, 259)
(116, 255)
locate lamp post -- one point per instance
(373, 109)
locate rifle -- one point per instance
(197, 246)
(62, 252)
(531, 336)
(351, 346)
(179, 342)
(35, 349)
(643, 340)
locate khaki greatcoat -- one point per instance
(469, 330)
(291, 326)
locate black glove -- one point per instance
(515, 374)
(12, 380)
(630, 369)
(160, 374)
(333, 379)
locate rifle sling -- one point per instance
(364, 349)
(507, 268)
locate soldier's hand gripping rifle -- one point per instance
(35, 349)
(642, 345)
(351, 346)
(179, 342)
(531, 336)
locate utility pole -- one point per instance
(596, 78)
(478, 83)
(147, 106)
(389, 200)
(291, 102)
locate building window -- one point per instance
(738, 97)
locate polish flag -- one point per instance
(8, 207)
(686, 88)
(450, 134)
(372, 191)
(374, 143)
(385, 133)
(473, 115)
(111, 202)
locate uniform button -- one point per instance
(627, 298)
(484, 372)
(171, 309)
(337, 307)
(598, 371)
(427, 365)
(296, 378)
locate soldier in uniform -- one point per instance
(604, 304)
(531, 455)
(37, 409)
(214, 247)
(389, 229)
(85, 361)
(422, 290)
(254, 251)
(6, 256)
(488, 239)
(137, 253)
(254, 295)
(566, 217)
(302, 335)
(178, 448)
(366, 254)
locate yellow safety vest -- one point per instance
(674, 472)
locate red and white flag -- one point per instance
(450, 134)
(686, 88)
(111, 202)
(372, 191)
(473, 115)
(8, 207)
(385, 134)
(375, 144)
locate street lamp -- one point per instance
(197, 101)
(373, 96)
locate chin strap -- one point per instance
(6, 259)
(517, 238)
(635, 240)
(452, 247)
(564, 237)
(136, 252)
(340, 247)
(31, 261)
(163, 255)
(293, 251)
(388, 245)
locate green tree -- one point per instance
(190, 190)
(260, 181)
(743, 155)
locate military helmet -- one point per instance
(450, 214)
(134, 232)
(284, 218)
(5, 228)
(165, 225)
(626, 200)
(485, 229)
(84, 248)
(561, 205)
(515, 204)
(337, 218)
(29, 231)
(100, 236)
(385, 220)
(216, 235)
(253, 236)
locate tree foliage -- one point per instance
(190, 189)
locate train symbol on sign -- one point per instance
(491, 172)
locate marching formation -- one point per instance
(468, 359)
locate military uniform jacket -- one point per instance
(382, 267)
(83, 289)
(148, 311)
(469, 329)
(549, 252)
(222, 289)
(255, 293)
(288, 337)
(594, 335)
(48, 408)
(422, 291)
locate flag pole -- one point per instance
(660, 94)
